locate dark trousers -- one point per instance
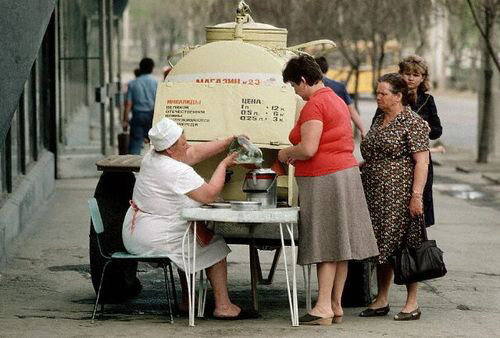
(140, 123)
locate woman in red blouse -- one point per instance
(335, 224)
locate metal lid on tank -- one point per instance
(245, 29)
(248, 25)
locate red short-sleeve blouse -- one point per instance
(336, 144)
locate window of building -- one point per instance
(30, 111)
(14, 145)
(3, 173)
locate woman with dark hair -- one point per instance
(334, 220)
(396, 154)
(415, 72)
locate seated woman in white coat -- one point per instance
(164, 186)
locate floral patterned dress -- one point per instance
(388, 179)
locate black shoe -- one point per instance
(414, 315)
(309, 319)
(381, 311)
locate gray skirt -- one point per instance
(334, 221)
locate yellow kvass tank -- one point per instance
(233, 85)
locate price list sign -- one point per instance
(256, 110)
(210, 111)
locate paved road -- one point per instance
(458, 113)
(45, 290)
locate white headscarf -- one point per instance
(164, 134)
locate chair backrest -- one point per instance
(96, 216)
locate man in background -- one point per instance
(340, 89)
(140, 101)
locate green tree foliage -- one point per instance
(360, 28)
(164, 25)
(463, 45)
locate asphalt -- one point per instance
(45, 289)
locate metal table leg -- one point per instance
(254, 274)
(270, 276)
(292, 296)
(308, 300)
(307, 285)
(190, 269)
(202, 294)
(294, 272)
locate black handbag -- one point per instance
(418, 264)
(123, 140)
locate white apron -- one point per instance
(158, 228)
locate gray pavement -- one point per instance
(45, 289)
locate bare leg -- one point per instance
(338, 288)
(384, 279)
(217, 275)
(411, 298)
(326, 276)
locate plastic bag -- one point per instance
(248, 153)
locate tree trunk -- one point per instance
(380, 64)
(160, 48)
(486, 123)
(484, 145)
(144, 44)
(356, 95)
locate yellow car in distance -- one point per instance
(365, 83)
(347, 76)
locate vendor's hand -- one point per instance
(416, 206)
(284, 157)
(230, 160)
(125, 125)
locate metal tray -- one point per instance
(245, 205)
(217, 205)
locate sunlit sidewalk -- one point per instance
(46, 289)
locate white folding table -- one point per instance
(281, 216)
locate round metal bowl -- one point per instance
(245, 205)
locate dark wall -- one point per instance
(22, 26)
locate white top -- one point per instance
(160, 195)
(162, 185)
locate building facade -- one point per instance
(60, 100)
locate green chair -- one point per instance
(163, 261)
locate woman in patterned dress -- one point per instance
(396, 154)
(415, 72)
